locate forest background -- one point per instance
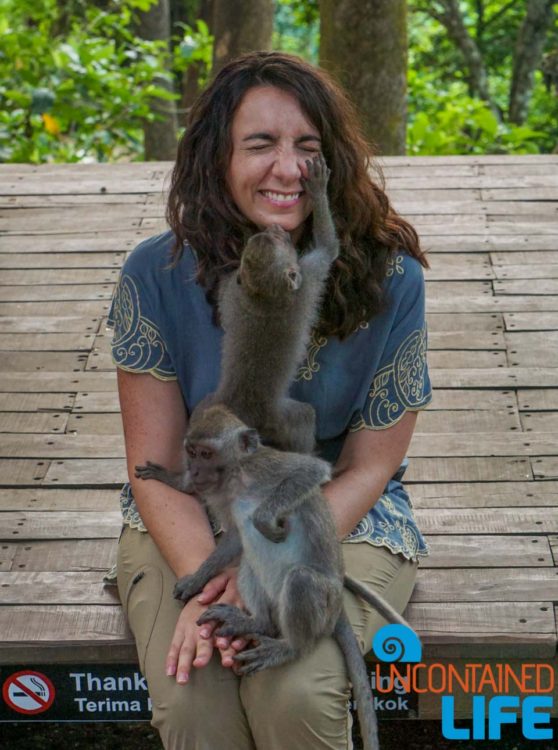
(112, 80)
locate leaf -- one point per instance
(52, 125)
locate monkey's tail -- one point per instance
(358, 675)
(376, 600)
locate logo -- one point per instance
(28, 692)
(525, 689)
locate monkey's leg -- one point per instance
(270, 652)
(297, 427)
(270, 516)
(358, 676)
(179, 480)
(228, 550)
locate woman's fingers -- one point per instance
(213, 590)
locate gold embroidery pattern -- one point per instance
(137, 345)
(395, 265)
(307, 370)
(399, 386)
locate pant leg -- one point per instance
(204, 714)
(305, 704)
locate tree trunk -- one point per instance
(528, 54)
(189, 86)
(240, 26)
(452, 18)
(364, 44)
(160, 139)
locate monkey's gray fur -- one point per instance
(268, 308)
(293, 591)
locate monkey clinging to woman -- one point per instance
(241, 168)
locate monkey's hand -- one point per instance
(273, 528)
(177, 479)
(315, 184)
(187, 587)
(233, 622)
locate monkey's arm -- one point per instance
(178, 480)
(326, 244)
(298, 479)
(226, 552)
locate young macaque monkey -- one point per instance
(268, 307)
(293, 590)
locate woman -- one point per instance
(238, 169)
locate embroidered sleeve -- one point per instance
(137, 344)
(401, 382)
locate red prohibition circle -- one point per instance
(15, 680)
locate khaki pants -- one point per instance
(301, 705)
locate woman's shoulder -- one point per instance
(403, 269)
(153, 252)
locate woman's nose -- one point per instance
(286, 166)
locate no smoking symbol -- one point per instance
(28, 692)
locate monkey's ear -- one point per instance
(249, 440)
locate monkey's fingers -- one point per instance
(219, 613)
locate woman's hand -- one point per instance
(223, 589)
(187, 648)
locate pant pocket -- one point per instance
(143, 602)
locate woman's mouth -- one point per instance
(281, 199)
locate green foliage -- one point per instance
(76, 82)
(296, 28)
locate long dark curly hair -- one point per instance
(201, 211)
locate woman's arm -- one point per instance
(155, 421)
(368, 461)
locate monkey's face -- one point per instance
(269, 263)
(207, 465)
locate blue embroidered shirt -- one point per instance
(163, 325)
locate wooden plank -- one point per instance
(440, 289)
(26, 422)
(91, 472)
(96, 242)
(517, 629)
(95, 424)
(489, 490)
(539, 520)
(463, 360)
(465, 322)
(510, 584)
(56, 587)
(526, 377)
(48, 402)
(22, 471)
(60, 308)
(17, 324)
(545, 399)
(487, 183)
(495, 551)
(540, 422)
(62, 260)
(97, 402)
(62, 555)
(526, 286)
(477, 469)
(522, 193)
(531, 356)
(71, 201)
(46, 361)
(58, 499)
(62, 185)
(541, 321)
(417, 205)
(483, 444)
(23, 525)
(553, 541)
(61, 446)
(464, 421)
(466, 340)
(533, 271)
(53, 276)
(484, 496)
(56, 382)
(465, 243)
(545, 467)
(7, 554)
(41, 293)
(45, 342)
(534, 257)
(445, 399)
(478, 303)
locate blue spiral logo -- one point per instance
(397, 643)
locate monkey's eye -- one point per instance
(191, 451)
(204, 453)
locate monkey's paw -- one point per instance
(234, 622)
(149, 471)
(274, 529)
(315, 183)
(269, 652)
(186, 588)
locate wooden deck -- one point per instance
(484, 463)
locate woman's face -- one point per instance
(272, 139)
